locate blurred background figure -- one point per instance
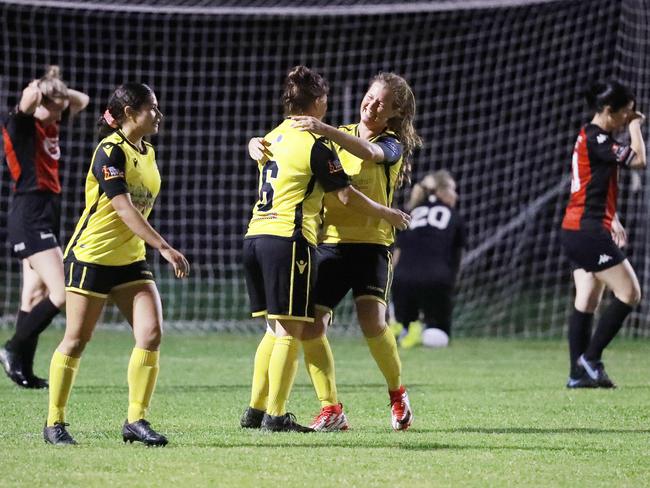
(31, 144)
(427, 258)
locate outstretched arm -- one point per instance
(636, 141)
(357, 201)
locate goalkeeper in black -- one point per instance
(427, 259)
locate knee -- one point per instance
(74, 346)
(631, 296)
(313, 331)
(31, 297)
(58, 298)
(151, 339)
(587, 304)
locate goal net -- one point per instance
(499, 91)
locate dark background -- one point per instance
(499, 93)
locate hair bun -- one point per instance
(52, 71)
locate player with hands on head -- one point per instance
(31, 140)
(105, 257)
(592, 234)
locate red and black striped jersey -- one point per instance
(597, 157)
(32, 152)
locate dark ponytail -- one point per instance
(134, 95)
(302, 88)
(608, 93)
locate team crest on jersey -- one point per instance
(334, 166)
(111, 172)
(51, 146)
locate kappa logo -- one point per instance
(111, 172)
(601, 138)
(301, 266)
(603, 258)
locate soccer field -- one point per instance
(487, 413)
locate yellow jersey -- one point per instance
(375, 180)
(292, 184)
(117, 167)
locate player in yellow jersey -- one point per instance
(106, 257)
(282, 234)
(355, 251)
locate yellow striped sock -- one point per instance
(282, 372)
(260, 387)
(319, 361)
(63, 370)
(384, 349)
(142, 375)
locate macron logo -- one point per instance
(604, 258)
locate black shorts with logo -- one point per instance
(433, 300)
(591, 250)
(280, 276)
(366, 269)
(99, 280)
(33, 223)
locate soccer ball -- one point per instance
(434, 338)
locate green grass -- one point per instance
(487, 413)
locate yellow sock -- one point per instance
(63, 370)
(142, 375)
(384, 349)
(320, 366)
(282, 372)
(260, 388)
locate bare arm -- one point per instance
(143, 229)
(78, 101)
(618, 232)
(636, 142)
(366, 150)
(30, 99)
(357, 201)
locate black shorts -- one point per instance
(33, 223)
(435, 302)
(99, 280)
(366, 269)
(591, 250)
(280, 277)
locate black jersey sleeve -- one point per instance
(392, 149)
(109, 167)
(327, 168)
(606, 150)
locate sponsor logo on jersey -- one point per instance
(603, 258)
(47, 235)
(334, 166)
(51, 146)
(111, 172)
